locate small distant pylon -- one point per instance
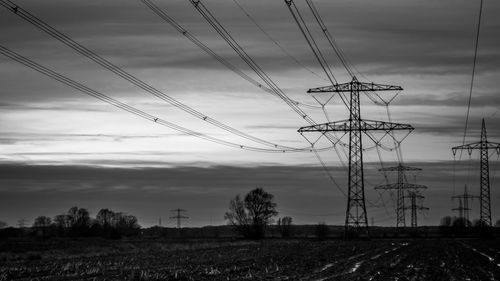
(179, 217)
(413, 195)
(400, 187)
(483, 145)
(461, 209)
(463, 205)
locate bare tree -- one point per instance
(42, 225)
(42, 222)
(105, 217)
(126, 224)
(251, 215)
(77, 220)
(61, 221)
(115, 224)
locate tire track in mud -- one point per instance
(493, 273)
(431, 260)
(347, 268)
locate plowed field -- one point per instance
(268, 260)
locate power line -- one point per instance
(330, 176)
(310, 40)
(86, 90)
(219, 28)
(473, 74)
(165, 17)
(127, 76)
(222, 31)
(210, 18)
(276, 42)
(329, 37)
(315, 49)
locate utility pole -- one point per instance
(484, 193)
(179, 217)
(463, 205)
(400, 187)
(413, 195)
(356, 217)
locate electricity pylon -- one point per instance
(413, 195)
(356, 216)
(484, 193)
(463, 207)
(179, 217)
(400, 187)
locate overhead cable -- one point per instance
(310, 40)
(168, 19)
(222, 31)
(93, 93)
(473, 75)
(329, 37)
(292, 57)
(127, 76)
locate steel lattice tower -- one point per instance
(400, 187)
(484, 193)
(463, 208)
(356, 216)
(413, 195)
(179, 217)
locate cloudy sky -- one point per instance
(60, 147)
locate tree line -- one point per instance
(76, 222)
(459, 226)
(250, 216)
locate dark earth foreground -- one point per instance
(438, 259)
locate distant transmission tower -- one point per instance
(414, 207)
(461, 209)
(400, 188)
(484, 146)
(463, 205)
(179, 217)
(356, 216)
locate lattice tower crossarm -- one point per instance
(400, 187)
(484, 193)
(356, 216)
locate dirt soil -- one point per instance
(440, 259)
